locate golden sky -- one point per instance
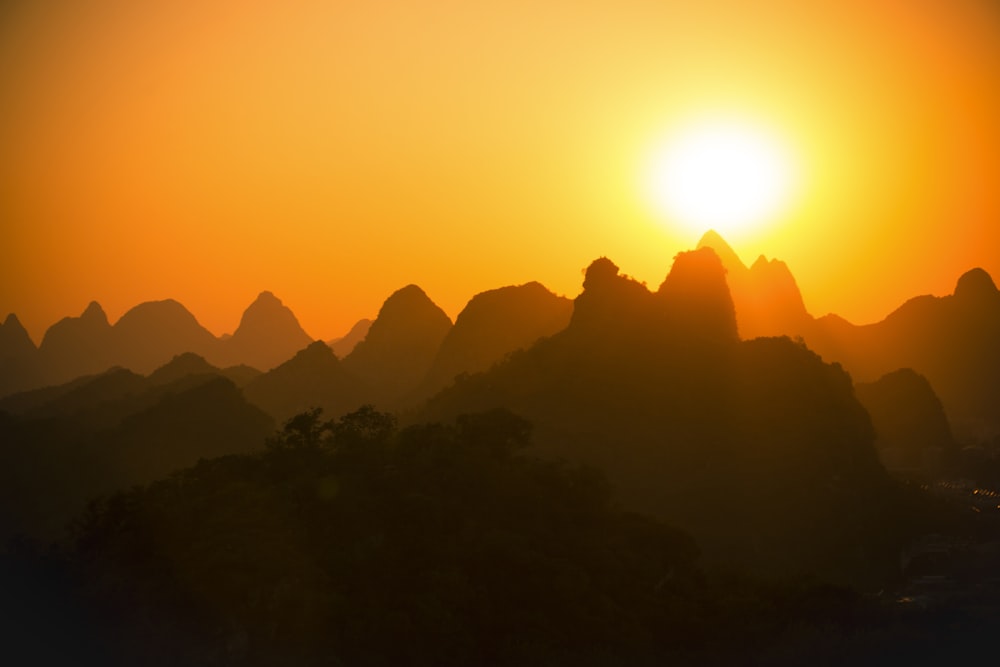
(332, 152)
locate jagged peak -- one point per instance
(13, 332)
(697, 291)
(600, 272)
(409, 293)
(730, 260)
(267, 310)
(405, 301)
(94, 311)
(695, 265)
(187, 363)
(316, 349)
(975, 283)
(12, 322)
(267, 296)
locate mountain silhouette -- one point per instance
(314, 377)
(758, 448)
(344, 345)
(268, 335)
(911, 428)
(14, 340)
(766, 297)
(18, 357)
(108, 432)
(494, 324)
(401, 344)
(150, 334)
(143, 339)
(696, 297)
(76, 346)
(950, 340)
(188, 364)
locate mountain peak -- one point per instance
(601, 271)
(269, 333)
(94, 313)
(344, 345)
(12, 321)
(611, 303)
(698, 296)
(411, 294)
(267, 296)
(150, 334)
(975, 283)
(730, 260)
(268, 312)
(14, 339)
(401, 343)
(181, 366)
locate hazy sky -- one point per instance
(332, 152)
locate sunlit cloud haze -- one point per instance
(334, 152)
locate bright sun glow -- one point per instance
(722, 175)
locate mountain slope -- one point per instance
(344, 345)
(494, 324)
(951, 340)
(110, 432)
(76, 346)
(912, 431)
(152, 333)
(268, 335)
(401, 344)
(312, 378)
(767, 299)
(18, 357)
(758, 447)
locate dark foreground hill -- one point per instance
(913, 435)
(350, 542)
(758, 448)
(61, 447)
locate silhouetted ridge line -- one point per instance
(492, 325)
(698, 427)
(913, 436)
(344, 345)
(314, 377)
(268, 334)
(697, 299)
(401, 343)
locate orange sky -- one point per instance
(332, 152)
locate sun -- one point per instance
(726, 175)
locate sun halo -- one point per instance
(734, 177)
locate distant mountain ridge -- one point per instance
(144, 338)
(494, 324)
(268, 334)
(413, 350)
(951, 340)
(401, 344)
(768, 300)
